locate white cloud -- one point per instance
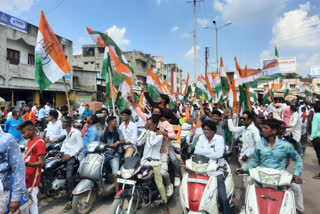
(175, 28)
(15, 7)
(186, 35)
(297, 33)
(190, 52)
(118, 35)
(203, 22)
(248, 11)
(297, 30)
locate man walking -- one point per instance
(315, 134)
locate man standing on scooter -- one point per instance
(212, 146)
(271, 152)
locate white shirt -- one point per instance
(130, 133)
(54, 130)
(73, 142)
(47, 108)
(213, 149)
(250, 136)
(9, 115)
(34, 110)
(295, 122)
(81, 109)
(153, 143)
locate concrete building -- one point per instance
(161, 69)
(17, 69)
(174, 77)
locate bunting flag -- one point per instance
(307, 90)
(225, 83)
(51, 63)
(286, 92)
(244, 105)
(254, 77)
(201, 89)
(153, 85)
(114, 61)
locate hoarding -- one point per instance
(13, 22)
(287, 64)
(315, 71)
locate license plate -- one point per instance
(124, 181)
(195, 180)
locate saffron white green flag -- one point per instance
(51, 63)
(307, 90)
(286, 92)
(201, 89)
(153, 85)
(224, 79)
(114, 61)
(187, 90)
(253, 95)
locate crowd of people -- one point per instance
(269, 136)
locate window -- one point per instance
(292, 86)
(164, 77)
(88, 51)
(92, 62)
(101, 50)
(86, 63)
(31, 59)
(97, 65)
(13, 56)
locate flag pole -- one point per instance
(67, 95)
(113, 108)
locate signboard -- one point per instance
(287, 64)
(315, 71)
(13, 22)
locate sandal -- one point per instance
(68, 206)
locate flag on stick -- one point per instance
(286, 92)
(51, 63)
(201, 89)
(153, 85)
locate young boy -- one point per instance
(34, 160)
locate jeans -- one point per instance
(82, 154)
(222, 195)
(69, 171)
(316, 146)
(113, 161)
(174, 160)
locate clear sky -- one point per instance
(165, 28)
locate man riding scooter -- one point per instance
(271, 152)
(212, 146)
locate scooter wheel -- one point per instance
(80, 205)
(120, 206)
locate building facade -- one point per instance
(17, 66)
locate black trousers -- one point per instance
(69, 169)
(316, 146)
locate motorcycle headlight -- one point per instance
(127, 173)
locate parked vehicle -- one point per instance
(265, 195)
(199, 190)
(96, 179)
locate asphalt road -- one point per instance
(310, 190)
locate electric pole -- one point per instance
(195, 36)
(206, 57)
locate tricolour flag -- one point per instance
(225, 83)
(209, 87)
(307, 90)
(253, 95)
(216, 83)
(187, 91)
(286, 92)
(201, 89)
(254, 77)
(153, 85)
(51, 63)
(244, 102)
(169, 92)
(114, 61)
(266, 95)
(109, 95)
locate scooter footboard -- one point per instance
(83, 186)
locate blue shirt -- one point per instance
(12, 164)
(11, 127)
(276, 157)
(42, 113)
(90, 135)
(87, 113)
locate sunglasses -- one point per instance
(242, 118)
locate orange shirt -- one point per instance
(29, 116)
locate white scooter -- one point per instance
(199, 188)
(263, 195)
